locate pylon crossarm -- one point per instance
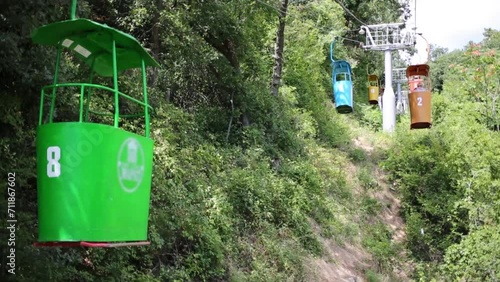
(382, 37)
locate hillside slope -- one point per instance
(365, 254)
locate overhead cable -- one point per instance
(350, 39)
(349, 12)
(270, 6)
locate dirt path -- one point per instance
(348, 261)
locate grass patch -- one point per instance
(366, 179)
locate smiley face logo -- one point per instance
(130, 165)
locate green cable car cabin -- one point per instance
(94, 179)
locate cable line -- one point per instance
(349, 12)
(270, 6)
(350, 39)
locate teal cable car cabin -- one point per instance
(342, 84)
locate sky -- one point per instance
(453, 23)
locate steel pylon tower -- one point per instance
(399, 76)
(388, 38)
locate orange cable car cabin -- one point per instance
(419, 96)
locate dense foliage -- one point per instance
(450, 176)
(238, 174)
(246, 185)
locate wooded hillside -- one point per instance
(253, 167)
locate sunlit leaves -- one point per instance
(450, 186)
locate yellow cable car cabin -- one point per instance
(373, 89)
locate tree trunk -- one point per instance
(278, 48)
(155, 50)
